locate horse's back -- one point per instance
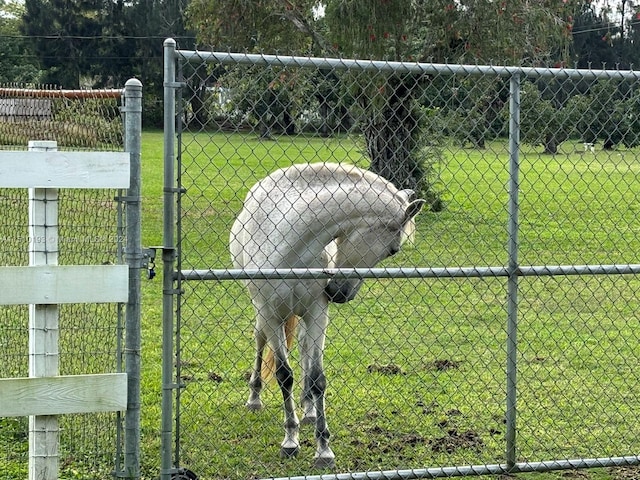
(236, 242)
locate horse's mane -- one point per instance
(325, 175)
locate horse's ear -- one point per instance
(413, 209)
(407, 194)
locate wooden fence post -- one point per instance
(44, 433)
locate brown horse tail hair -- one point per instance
(268, 370)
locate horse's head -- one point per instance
(368, 244)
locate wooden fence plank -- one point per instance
(51, 169)
(56, 284)
(63, 395)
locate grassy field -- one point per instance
(416, 368)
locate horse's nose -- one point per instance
(340, 291)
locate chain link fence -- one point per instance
(91, 232)
(508, 339)
(79, 119)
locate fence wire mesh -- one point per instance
(416, 366)
(91, 232)
(82, 119)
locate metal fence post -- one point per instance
(512, 289)
(168, 256)
(134, 258)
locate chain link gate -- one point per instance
(505, 339)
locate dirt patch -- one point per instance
(625, 473)
(444, 365)
(401, 442)
(385, 369)
(455, 440)
(576, 474)
(427, 408)
(386, 441)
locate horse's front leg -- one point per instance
(290, 446)
(317, 384)
(324, 457)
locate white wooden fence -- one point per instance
(44, 285)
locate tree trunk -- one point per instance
(324, 119)
(288, 124)
(391, 140)
(550, 144)
(197, 100)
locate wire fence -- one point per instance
(504, 339)
(82, 119)
(91, 232)
(525, 261)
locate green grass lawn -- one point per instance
(415, 367)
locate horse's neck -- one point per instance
(306, 246)
(326, 216)
(300, 210)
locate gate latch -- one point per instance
(149, 257)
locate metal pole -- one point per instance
(378, 66)
(474, 470)
(512, 282)
(408, 272)
(168, 256)
(133, 257)
(121, 311)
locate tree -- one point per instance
(149, 22)
(596, 39)
(17, 61)
(543, 121)
(105, 42)
(530, 32)
(610, 113)
(259, 25)
(64, 35)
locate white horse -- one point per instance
(312, 216)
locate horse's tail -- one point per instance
(268, 369)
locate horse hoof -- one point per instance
(324, 462)
(289, 452)
(308, 421)
(254, 406)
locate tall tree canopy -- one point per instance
(105, 42)
(518, 31)
(17, 60)
(64, 34)
(529, 32)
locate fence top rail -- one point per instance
(228, 58)
(51, 93)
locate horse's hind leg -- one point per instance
(306, 399)
(290, 446)
(255, 382)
